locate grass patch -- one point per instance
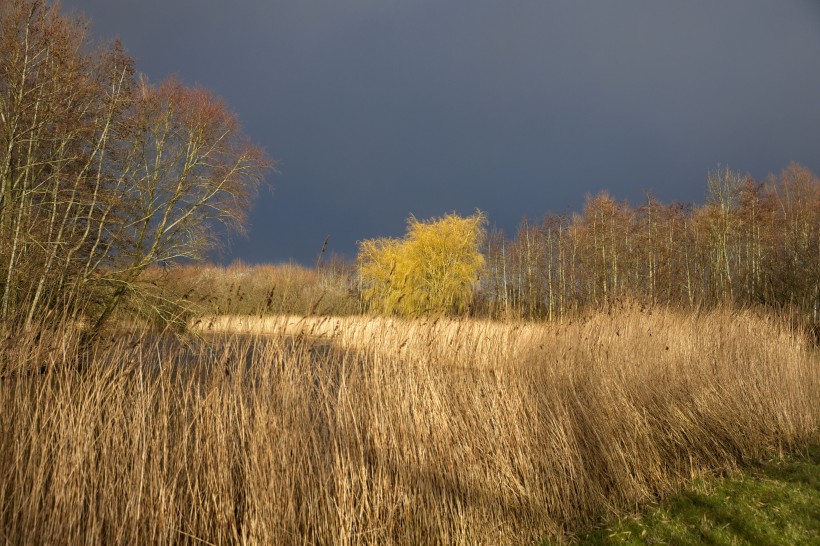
(772, 502)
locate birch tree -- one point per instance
(102, 174)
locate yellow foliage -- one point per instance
(434, 269)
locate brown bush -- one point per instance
(266, 289)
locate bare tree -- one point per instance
(101, 174)
(186, 167)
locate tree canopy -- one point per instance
(101, 173)
(434, 269)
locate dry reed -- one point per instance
(368, 431)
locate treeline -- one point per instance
(751, 243)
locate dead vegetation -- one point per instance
(388, 432)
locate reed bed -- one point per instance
(376, 431)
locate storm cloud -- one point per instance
(377, 110)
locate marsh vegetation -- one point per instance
(390, 432)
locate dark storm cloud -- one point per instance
(379, 109)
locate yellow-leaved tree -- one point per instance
(434, 269)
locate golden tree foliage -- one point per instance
(434, 269)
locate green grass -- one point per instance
(773, 502)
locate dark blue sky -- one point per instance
(378, 109)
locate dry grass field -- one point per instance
(376, 431)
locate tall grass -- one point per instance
(388, 432)
(264, 289)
